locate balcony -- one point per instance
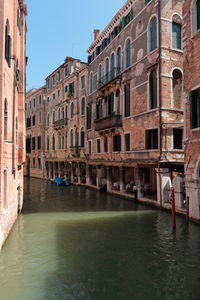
(114, 73)
(60, 123)
(75, 151)
(108, 122)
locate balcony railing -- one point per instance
(111, 121)
(115, 72)
(60, 123)
(75, 150)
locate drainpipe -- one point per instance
(160, 98)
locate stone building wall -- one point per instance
(12, 129)
(191, 84)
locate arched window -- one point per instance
(72, 110)
(63, 142)
(82, 137)
(47, 147)
(59, 142)
(107, 69)
(177, 89)
(153, 34)
(5, 119)
(53, 143)
(91, 83)
(153, 90)
(83, 106)
(119, 60)
(128, 53)
(176, 32)
(110, 104)
(196, 16)
(71, 138)
(63, 113)
(112, 65)
(59, 114)
(8, 43)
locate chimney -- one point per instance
(96, 33)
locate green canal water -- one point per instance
(74, 243)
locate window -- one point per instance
(39, 162)
(48, 99)
(66, 88)
(110, 104)
(127, 142)
(89, 116)
(39, 142)
(33, 120)
(71, 138)
(147, 1)
(83, 106)
(153, 89)
(54, 79)
(58, 76)
(119, 60)
(63, 142)
(117, 142)
(99, 109)
(47, 147)
(152, 139)
(8, 44)
(28, 145)
(176, 35)
(98, 145)
(16, 129)
(127, 100)
(59, 141)
(72, 110)
(28, 122)
(177, 138)
(100, 76)
(40, 99)
(53, 143)
(54, 96)
(5, 119)
(128, 53)
(177, 89)
(71, 88)
(33, 143)
(195, 109)
(54, 117)
(76, 138)
(66, 71)
(107, 69)
(112, 65)
(106, 144)
(58, 93)
(40, 118)
(89, 147)
(34, 102)
(19, 20)
(83, 82)
(153, 34)
(91, 83)
(196, 16)
(82, 138)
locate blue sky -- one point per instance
(61, 28)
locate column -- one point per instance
(59, 171)
(164, 185)
(98, 179)
(178, 191)
(79, 173)
(109, 183)
(87, 171)
(122, 176)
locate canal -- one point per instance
(73, 243)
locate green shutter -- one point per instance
(193, 109)
(123, 22)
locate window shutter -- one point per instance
(193, 109)
(127, 100)
(123, 22)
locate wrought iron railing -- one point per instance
(109, 76)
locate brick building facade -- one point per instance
(117, 122)
(12, 94)
(191, 35)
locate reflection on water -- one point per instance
(75, 243)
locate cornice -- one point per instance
(123, 11)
